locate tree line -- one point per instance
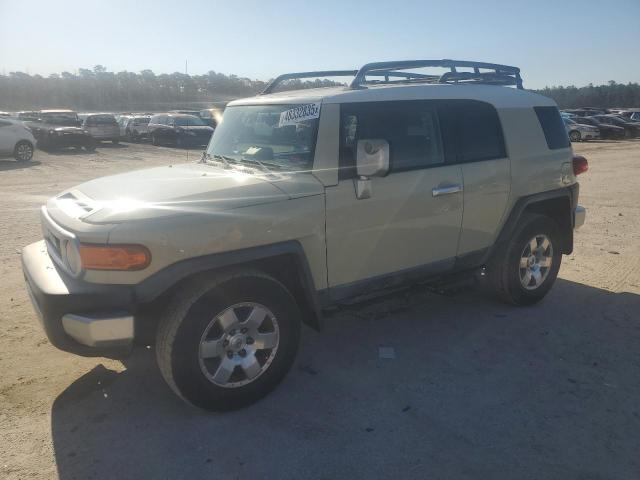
(98, 89)
(604, 96)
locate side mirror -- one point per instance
(372, 160)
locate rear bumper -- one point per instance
(78, 317)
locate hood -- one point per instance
(177, 189)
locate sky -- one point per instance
(557, 42)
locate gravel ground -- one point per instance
(476, 389)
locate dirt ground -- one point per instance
(477, 389)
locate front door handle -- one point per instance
(448, 190)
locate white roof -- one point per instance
(498, 96)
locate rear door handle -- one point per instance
(448, 190)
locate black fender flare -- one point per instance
(154, 286)
(524, 204)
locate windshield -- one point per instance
(275, 135)
(189, 122)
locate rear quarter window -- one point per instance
(553, 127)
(471, 130)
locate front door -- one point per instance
(411, 222)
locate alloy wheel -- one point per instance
(535, 262)
(24, 152)
(239, 344)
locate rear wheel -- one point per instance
(575, 136)
(227, 342)
(525, 271)
(23, 151)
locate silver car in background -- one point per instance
(102, 127)
(137, 128)
(578, 132)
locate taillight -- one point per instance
(580, 164)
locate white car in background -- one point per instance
(16, 140)
(137, 128)
(578, 132)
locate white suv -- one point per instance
(16, 140)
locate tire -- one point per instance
(575, 136)
(506, 272)
(90, 147)
(23, 151)
(196, 313)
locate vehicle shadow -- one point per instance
(70, 151)
(15, 165)
(472, 389)
(110, 145)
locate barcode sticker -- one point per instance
(299, 113)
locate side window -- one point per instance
(553, 127)
(411, 128)
(472, 131)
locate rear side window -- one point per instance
(472, 131)
(553, 127)
(411, 128)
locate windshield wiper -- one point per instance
(225, 160)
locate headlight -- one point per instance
(72, 257)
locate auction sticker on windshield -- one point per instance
(299, 113)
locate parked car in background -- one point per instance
(631, 114)
(16, 140)
(187, 112)
(631, 130)
(578, 132)
(606, 131)
(212, 116)
(102, 127)
(59, 129)
(178, 130)
(137, 128)
(27, 116)
(586, 111)
(123, 120)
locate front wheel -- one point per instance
(23, 152)
(524, 272)
(226, 342)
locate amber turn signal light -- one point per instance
(114, 257)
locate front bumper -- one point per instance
(79, 317)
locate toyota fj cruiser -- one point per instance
(306, 199)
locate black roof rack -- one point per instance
(494, 74)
